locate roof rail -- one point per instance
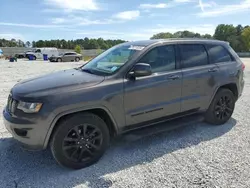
(185, 39)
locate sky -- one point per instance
(115, 19)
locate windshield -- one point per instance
(111, 60)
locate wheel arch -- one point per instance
(231, 86)
(102, 112)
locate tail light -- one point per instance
(243, 66)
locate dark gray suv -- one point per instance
(129, 86)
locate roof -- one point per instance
(154, 41)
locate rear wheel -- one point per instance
(59, 60)
(77, 59)
(80, 141)
(221, 108)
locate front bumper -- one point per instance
(25, 131)
(52, 59)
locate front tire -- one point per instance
(77, 59)
(59, 60)
(221, 108)
(80, 141)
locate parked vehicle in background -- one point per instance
(38, 53)
(23, 55)
(130, 86)
(66, 57)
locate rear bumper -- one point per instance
(24, 131)
(242, 84)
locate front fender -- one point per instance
(71, 111)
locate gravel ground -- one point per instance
(199, 155)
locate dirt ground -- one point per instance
(199, 155)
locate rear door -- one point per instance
(158, 95)
(66, 57)
(199, 77)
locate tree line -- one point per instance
(85, 43)
(238, 37)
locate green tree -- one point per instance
(246, 38)
(227, 33)
(207, 36)
(162, 36)
(78, 49)
(33, 44)
(28, 44)
(93, 44)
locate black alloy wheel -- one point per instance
(224, 108)
(82, 142)
(221, 107)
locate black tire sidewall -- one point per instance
(64, 128)
(77, 59)
(59, 60)
(210, 115)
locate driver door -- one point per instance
(155, 96)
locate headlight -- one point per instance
(29, 107)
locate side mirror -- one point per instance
(140, 70)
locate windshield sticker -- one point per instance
(136, 47)
(113, 68)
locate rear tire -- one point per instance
(221, 107)
(77, 59)
(59, 60)
(80, 141)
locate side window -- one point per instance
(67, 54)
(161, 58)
(38, 51)
(218, 54)
(193, 55)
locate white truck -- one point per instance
(38, 52)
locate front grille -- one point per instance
(11, 105)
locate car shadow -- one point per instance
(22, 168)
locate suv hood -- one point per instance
(58, 82)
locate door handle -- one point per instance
(173, 77)
(213, 70)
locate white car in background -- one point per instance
(39, 52)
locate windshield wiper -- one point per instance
(88, 71)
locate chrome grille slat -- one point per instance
(11, 104)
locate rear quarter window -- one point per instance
(218, 54)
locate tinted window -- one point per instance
(70, 53)
(38, 51)
(218, 54)
(193, 55)
(160, 58)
